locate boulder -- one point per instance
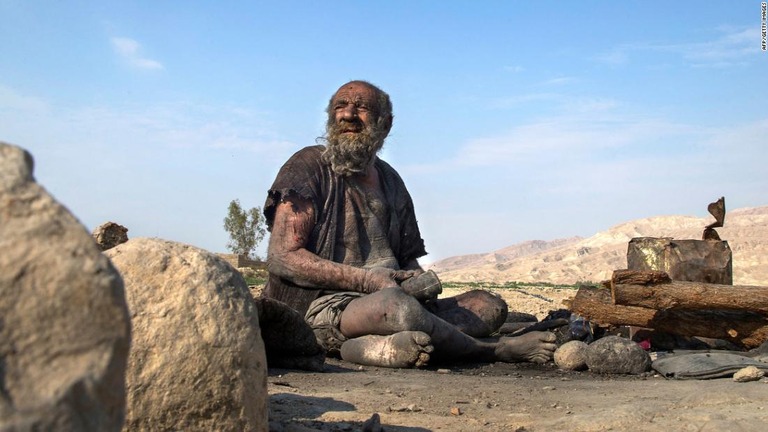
(617, 355)
(572, 356)
(197, 360)
(109, 235)
(64, 326)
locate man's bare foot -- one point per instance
(401, 350)
(536, 347)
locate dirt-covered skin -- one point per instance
(399, 350)
(391, 310)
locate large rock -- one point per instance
(616, 355)
(197, 360)
(64, 328)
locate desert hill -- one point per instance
(573, 260)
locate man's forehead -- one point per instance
(355, 91)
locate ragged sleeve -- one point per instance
(301, 176)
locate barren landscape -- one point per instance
(526, 397)
(574, 260)
(509, 397)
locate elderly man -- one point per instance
(344, 238)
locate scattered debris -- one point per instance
(405, 408)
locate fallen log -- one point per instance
(746, 329)
(652, 290)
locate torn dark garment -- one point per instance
(351, 227)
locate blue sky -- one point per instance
(514, 121)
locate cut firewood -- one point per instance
(744, 328)
(649, 290)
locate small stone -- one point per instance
(109, 235)
(749, 373)
(456, 411)
(405, 408)
(572, 356)
(443, 371)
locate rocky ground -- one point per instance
(509, 397)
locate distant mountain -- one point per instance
(576, 259)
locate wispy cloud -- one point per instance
(514, 69)
(12, 100)
(731, 48)
(160, 127)
(512, 101)
(574, 139)
(172, 158)
(130, 51)
(614, 57)
(585, 130)
(582, 170)
(559, 81)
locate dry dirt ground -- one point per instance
(509, 397)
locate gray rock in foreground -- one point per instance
(64, 328)
(197, 361)
(616, 355)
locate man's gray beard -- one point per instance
(351, 154)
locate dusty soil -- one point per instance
(509, 397)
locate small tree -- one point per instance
(246, 229)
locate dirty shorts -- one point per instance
(324, 316)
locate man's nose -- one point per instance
(349, 112)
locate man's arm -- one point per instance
(288, 258)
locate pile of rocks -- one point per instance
(610, 354)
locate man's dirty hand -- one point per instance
(378, 278)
